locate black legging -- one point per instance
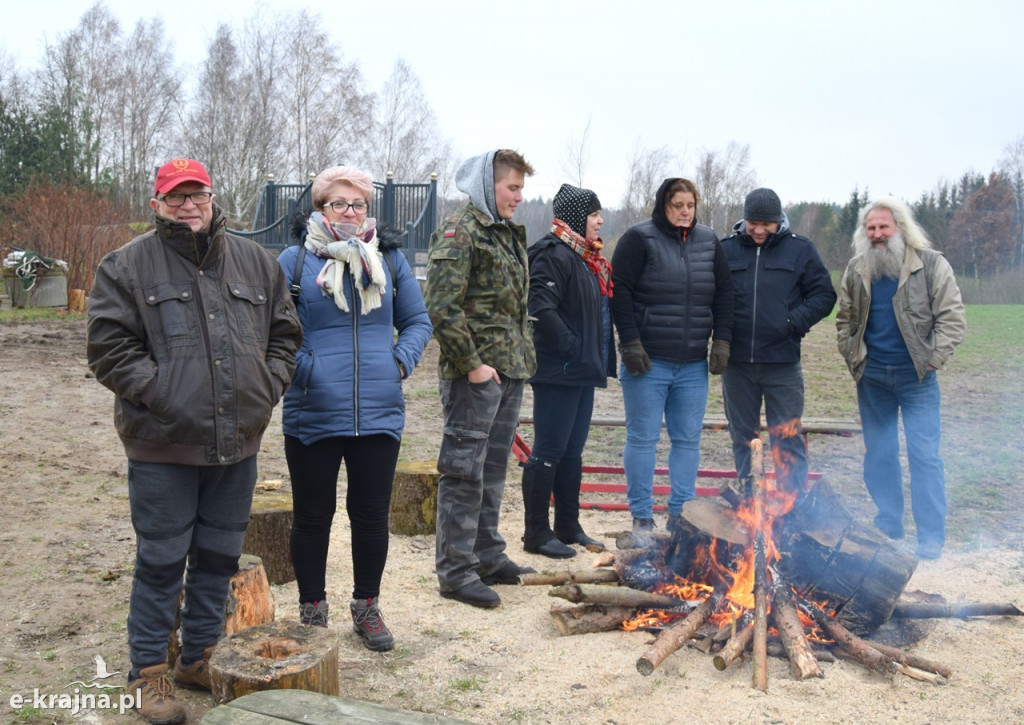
(369, 467)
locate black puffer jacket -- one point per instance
(672, 287)
(197, 353)
(782, 290)
(566, 300)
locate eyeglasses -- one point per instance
(198, 198)
(340, 207)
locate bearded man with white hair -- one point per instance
(900, 319)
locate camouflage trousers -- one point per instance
(480, 421)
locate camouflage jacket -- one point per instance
(476, 295)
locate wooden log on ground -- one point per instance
(675, 636)
(250, 602)
(909, 660)
(280, 655)
(268, 535)
(619, 596)
(927, 610)
(584, 576)
(590, 618)
(801, 657)
(414, 499)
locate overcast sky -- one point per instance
(891, 96)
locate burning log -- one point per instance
(863, 652)
(554, 578)
(737, 644)
(675, 636)
(760, 674)
(619, 597)
(801, 657)
(927, 610)
(590, 618)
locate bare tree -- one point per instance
(647, 169)
(405, 138)
(329, 115)
(147, 90)
(576, 156)
(78, 81)
(723, 179)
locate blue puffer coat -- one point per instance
(347, 378)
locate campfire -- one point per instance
(778, 575)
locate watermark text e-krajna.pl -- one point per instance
(77, 701)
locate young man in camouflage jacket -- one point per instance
(476, 295)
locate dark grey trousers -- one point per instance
(480, 421)
(188, 520)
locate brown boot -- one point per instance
(197, 675)
(154, 696)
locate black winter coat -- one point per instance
(565, 298)
(673, 289)
(782, 290)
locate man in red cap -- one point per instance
(194, 331)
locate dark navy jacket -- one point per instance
(347, 380)
(566, 300)
(672, 287)
(782, 289)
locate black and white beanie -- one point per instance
(573, 206)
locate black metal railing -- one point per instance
(408, 208)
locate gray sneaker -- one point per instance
(313, 613)
(368, 624)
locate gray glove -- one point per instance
(719, 356)
(635, 358)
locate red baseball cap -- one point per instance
(178, 172)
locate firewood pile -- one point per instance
(795, 578)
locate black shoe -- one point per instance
(475, 594)
(582, 539)
(643, 526)
(673, 522)
(552, 548)
(507, 573)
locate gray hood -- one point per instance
(740, 227)
(476, 178)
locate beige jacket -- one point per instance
(929, 311)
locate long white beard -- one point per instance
(885, 261)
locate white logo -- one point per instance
(77, 701)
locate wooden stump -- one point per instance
(268, 535)
(414, 499)
(283, 655)
(250, 602)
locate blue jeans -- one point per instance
(679, 393)
(882, 393)
(188, 520)
(781, 386)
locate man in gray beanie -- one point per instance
(782, 289)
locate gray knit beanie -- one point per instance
(763, 205)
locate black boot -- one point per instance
(538, 479)
(568, 479)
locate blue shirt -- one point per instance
(882, 334)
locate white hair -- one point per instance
(912, 233)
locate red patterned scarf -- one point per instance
(590, 251)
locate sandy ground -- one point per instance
(66, 551)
